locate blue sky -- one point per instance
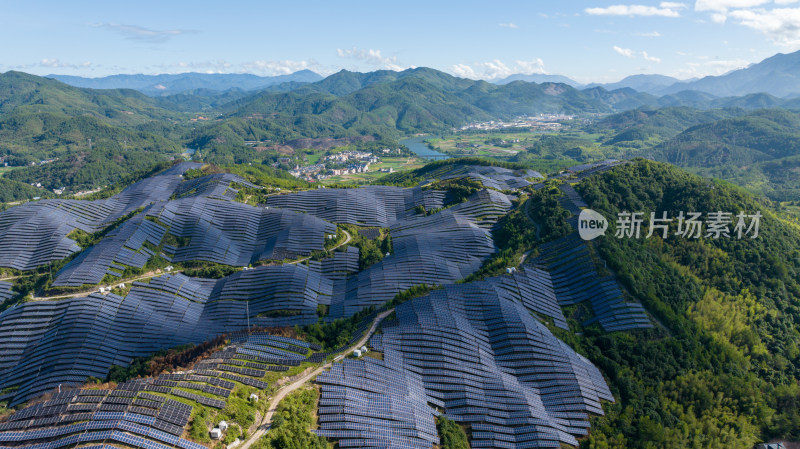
(590, 41)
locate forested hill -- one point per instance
(759, 150)
(24, 93)
(412, 103)
(721, 368)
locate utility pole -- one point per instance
(248, 316)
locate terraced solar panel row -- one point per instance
(213, 186)
(239, 234)
(373, 403)
(35, 233)
(365, 206)
(575, 279)
(124, 245)
(6, 291)
(494, 366)
(437, 249)
(498, 178)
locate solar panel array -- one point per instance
(584, 170)
(365, 206)
(498, 178)
(157, 421)
(575, 278)
(494, 366)
(35, 233)
(213, 186)
(67, 415)
(239, 234)
(372, 403)
(341, 265)
(6, 291)
(436, 249)
(123, 246)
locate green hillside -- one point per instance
(24, 93)
(758, 151)
(721, 368)
(82, 152)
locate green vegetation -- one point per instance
(11, 190)
(335, 334)
(544, 209)
(204, 269)
(239, 408)
(452, 436)
(292, 422)
(414, 177)
(370, 251)
(198, 426)
(759, 151)
(514, 235)
(164, 360)
(720, 368)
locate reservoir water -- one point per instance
(420, 148)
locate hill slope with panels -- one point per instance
(481, 357)
(239, 234)
(35, 233)
(47, 343)
(436, 249)
(575, 278)
(498, 178)
(365, 206)
(373, 403)
(122, 247)
(153, 413)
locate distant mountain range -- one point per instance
(778, 76)
(167, 84)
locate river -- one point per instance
(420, 148)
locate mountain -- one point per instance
(416, 100)
(725, 349)
(621, 99)
(166, 84)
(24, 93)
(778, 75)
(759, 151)
(345, 82)
(652, 84)
(661, 123)
(539, 78)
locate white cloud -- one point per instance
(718, 17)
(708, 67)
(371, 57)
(464, 71)
(665, 9)
(496, 69)
(508, 25)
(139, 33)
(56, 64)
(782, 25)
(724, 5)
(627, 52)
(650, 58)
(284, 67)
(650, 34)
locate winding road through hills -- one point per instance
(288, 388)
